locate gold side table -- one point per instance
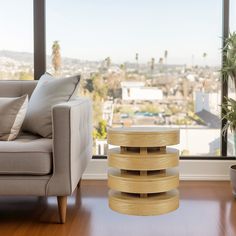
(139, 182)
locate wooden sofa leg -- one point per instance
(62, 205)
(78, 185)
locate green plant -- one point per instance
(229, 71)
(152, 108)
(126, 109)
(101, 131)
(229, 109)
(229, 52)
(25, 76)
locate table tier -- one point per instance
(155, 204)
(129, 182)
(131, 160)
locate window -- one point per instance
(16, 41)
(144, 63)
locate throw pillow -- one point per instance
(48, 92)
(12, 114)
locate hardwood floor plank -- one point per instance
(206, 209)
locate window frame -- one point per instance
(39, 38)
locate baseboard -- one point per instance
(205, 177)
(94, 176)
(204, 170)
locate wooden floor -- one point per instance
(206, 209)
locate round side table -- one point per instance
(139, 181)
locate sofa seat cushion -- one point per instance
(26, 155)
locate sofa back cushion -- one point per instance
(48, 92)
(16, 88)
(12, 114)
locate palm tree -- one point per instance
(152, 68)
(123, 69)
(161, 60)
(204, 55)
(56, 56)
(165, 56)
(136, 58)
(152, 64)
(108, 62)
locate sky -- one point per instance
(96, 29)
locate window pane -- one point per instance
(232, 21)
(16, 40)
(144, 63)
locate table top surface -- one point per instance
(142, 130)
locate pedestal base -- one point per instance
(153, 204)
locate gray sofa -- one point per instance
(36, 166)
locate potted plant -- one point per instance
(229, 106)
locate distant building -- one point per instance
(137, 91)
(101, 147)
(209, 119)
(207, 101)
(107, 112)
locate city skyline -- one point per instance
(116, 29)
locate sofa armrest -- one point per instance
(72, 144)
